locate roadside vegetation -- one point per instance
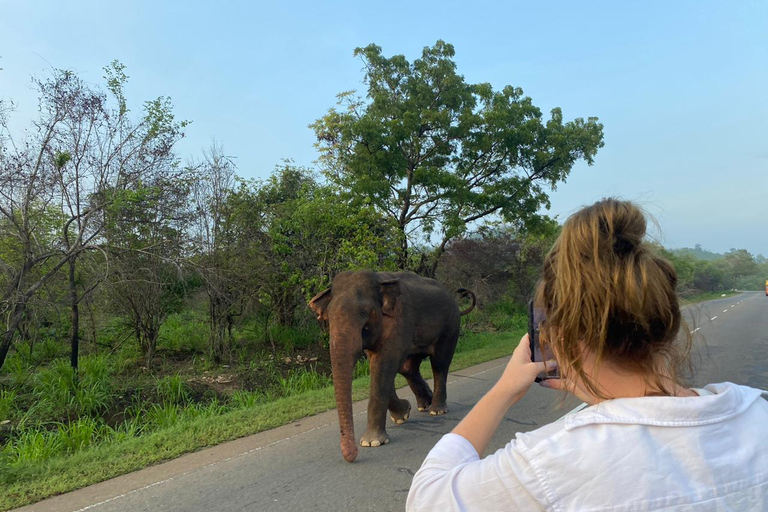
(153, 306)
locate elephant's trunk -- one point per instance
(344, 348)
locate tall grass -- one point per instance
(82, 433)
(291, 338)
(172, 390)
(301, 380)
(246, 399)
(185, 331)
(39, 444)
(7, 404)
(59, 391)
(32, 445)
(19, 371)
(362, 368)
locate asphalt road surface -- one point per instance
(299, 466)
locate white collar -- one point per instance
(727, 400)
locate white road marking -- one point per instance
(696, 329)
(725, 311)
(733, 305)
(713, 318)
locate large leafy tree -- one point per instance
(295, 234)
(436, 154)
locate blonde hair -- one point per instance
(607, 294)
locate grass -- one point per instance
(47, 471)
(701, 297)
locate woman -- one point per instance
(646, 442)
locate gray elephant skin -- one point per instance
(397, 319)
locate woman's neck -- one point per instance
(619, 383)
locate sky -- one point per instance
(680, 86)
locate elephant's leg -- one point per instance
(383, 374)
(399, 408)
(410, 370)
(441, 361)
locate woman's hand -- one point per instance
(484, 418)
(521, 372)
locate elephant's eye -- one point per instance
(363, 313)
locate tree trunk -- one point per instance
(75, 316)
(13, 324)
(402, 256)
(218, 341)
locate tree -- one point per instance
(82, 150)
(216, 248)
(145, 231)
(435, 154)
(708, 276)
(500, 262)
(740, 263)
(290, 235)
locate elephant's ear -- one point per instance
(319, 304)
(390, 292)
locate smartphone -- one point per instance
(535, 318)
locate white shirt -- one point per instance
(706, 452)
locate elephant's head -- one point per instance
(358, 309)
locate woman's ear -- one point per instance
(390, 292)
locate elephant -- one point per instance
(397, 319)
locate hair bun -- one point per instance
(624, 223)
(623, 245)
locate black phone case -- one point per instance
(532, 338)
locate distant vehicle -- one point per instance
(766, 287)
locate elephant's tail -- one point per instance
(464, 294)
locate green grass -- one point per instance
(48, 473)
(701, 297)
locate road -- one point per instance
(299, 466)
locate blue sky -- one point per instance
(681, 86)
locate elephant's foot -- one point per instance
(374, 438)
(438, 409)
(423, 405)
(401, 412)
